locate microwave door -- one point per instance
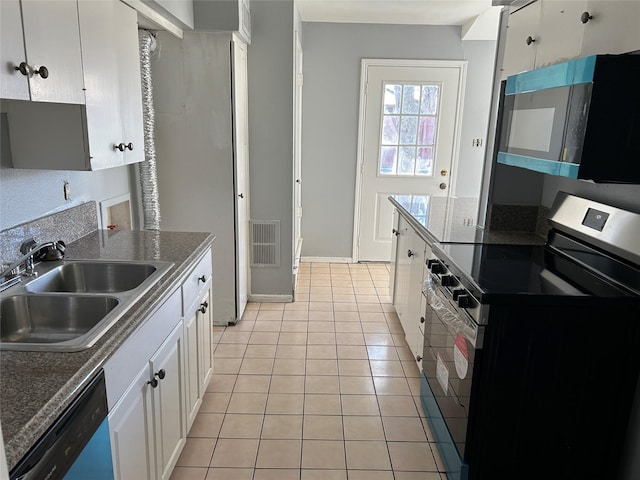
(534, 123)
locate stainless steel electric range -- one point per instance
(532, 352)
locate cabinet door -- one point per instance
(205, 334)
(104, 129)
(13, 85)
(403, 272)
(128, 68)
(561, 31)
(52, 40)
(394, 253)
(614, 27)
(518, 56)
(241, 165)
(192, 387)
(168, 400)
(131, 430)
(416, 278)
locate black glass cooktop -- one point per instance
(489, 269)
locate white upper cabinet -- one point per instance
(614, 28)
(545, 32)
(109, 33)
(41, 39)
(560, 31)
(522, 38)
(103, 128)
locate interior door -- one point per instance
(409, 121)
(241, 165)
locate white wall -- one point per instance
(30, 194)
(332, 54)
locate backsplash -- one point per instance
(68, 226)
(519, 218)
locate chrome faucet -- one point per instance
(10, 275)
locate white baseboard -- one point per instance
(271, 298)
(327, 260)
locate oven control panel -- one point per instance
(448, 283)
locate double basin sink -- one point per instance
(72, 303)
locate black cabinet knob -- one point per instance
(203, 307)
(530, 40)
(418, 358)
(161, 374)
(585, 17)
(42, 71)
(153, 382)
(129, 146)
(422, 320)
(395, 232)
(119, 146)
(23, 68)
(410, 253)
(202, 279)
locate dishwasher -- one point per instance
(77, 446)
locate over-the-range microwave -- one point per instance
(578, 119)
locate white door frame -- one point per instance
(461, 65)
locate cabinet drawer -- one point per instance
(121, 368)
(196, 281)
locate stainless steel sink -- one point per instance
(51, 318)
(92, 277)
(72, 303)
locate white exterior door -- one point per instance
(241, 132)
(409, 120)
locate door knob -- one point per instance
(443, 186)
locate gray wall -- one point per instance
(270, 71)
(332, 54)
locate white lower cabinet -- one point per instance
(132, 435)
(148, 427)
(410, 257)
(157, 378)
(167, 369)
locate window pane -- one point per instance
(411, 99)
(419, 206)
(408, 130)
(390, 129)
(407, 161)
(427, 130)
(424, 162)
(392, 98)
(405, 201)
(429, 101)
(388, 160)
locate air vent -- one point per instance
(265, 243)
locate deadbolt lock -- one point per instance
(443, 186)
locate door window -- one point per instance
(409, 120)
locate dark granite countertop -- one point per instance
(453, 219)
(36, 387)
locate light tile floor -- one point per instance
(324, 388)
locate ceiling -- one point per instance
(407, 12)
